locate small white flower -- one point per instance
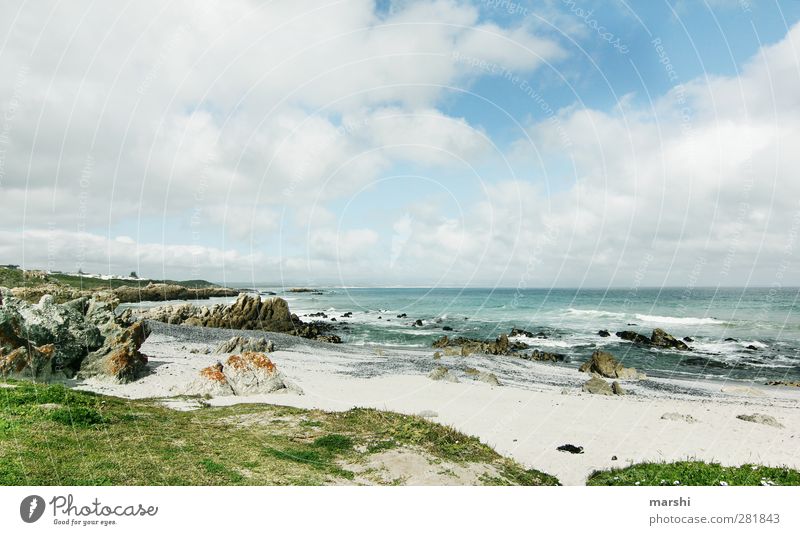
(723, 483)
(637, 483)
(676, 482)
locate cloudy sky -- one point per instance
(440, 142)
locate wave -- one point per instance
(588, 313)
(678, 321)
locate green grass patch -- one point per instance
(694, 473)
(51, 435)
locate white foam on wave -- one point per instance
(678, 321)
(589, 313)
(542, 342)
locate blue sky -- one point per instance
(491, 142)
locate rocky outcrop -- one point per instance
(661, 338)
(249, 373)
(658, 338)
(168, 292)
(119, 359)
(469, 346)
(248, 313)
(544, 356)
(242, 344)
(605, 365)
(50, 341)
(634, 337)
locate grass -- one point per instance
(13, 278)
(695, 473)
(51, 435)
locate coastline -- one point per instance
(537, 408)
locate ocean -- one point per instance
(743, 334)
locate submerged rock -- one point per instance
(632, 336)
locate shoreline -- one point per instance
(537, 408)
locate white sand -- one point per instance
(538, 408)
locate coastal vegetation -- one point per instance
(692, 472)
(52, 435)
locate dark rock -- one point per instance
(752, 348)
(604, 333)
(446, 328)
(520, 332)
(661, 338)
(731, 340)
(418, 323)
(569, 448)
(688, 339)
(404, 315)
(119, 359)
(634, 337)
(544, 356)
(347, 315)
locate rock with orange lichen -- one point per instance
(249, 373)
(119, 360)
(28, 362)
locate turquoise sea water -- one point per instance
(741, 334)
(722, 322)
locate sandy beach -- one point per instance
(536, 408)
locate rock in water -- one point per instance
(661, 338)
(603, 333)
(250, 373)
(440, 373)
(604, 364)
(763, 419)
(634, 337)
(596, 385)
(617, 389)
(240, 344)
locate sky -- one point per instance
(557, 143)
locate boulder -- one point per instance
(33, 327)
(544, 356)
(617, 389)
(661, 338)
(603, 333)
(249, 373)
(246, 313)
(119, 359)
(596, 385)
(605, 365)
(440, 373)
(488, 378)
(240, 344)
(469, 346)
(634, 337)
